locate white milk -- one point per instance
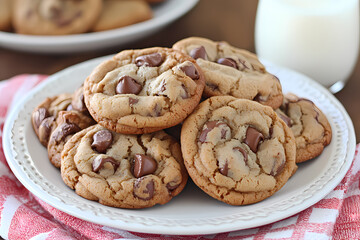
(319, 38)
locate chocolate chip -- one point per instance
(45, 129)
(228, 62)
(190, 71)
(128, 85)
(210, 126)
(150, 60)
(143, 165)
(78, 101)
(225, 169)
(102, 140)
(99, 162)
(63, 130)
(144, 192)
(199, 52)
(133, 101)
(242, 152)
(253, 137)
(286, 119)
(171, 186)
(39, 115)
(276, 169)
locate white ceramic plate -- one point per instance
(192, 212)
(164, 13)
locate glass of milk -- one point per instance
(319, 38)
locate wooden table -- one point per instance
(230, 20)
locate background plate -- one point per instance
(192, 212)
(164, 13)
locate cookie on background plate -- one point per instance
(55, 17)
(5, 15)
(116, 14)
(309, 124)
(232, 71)
(142, 91)
(126, 171)
(44, 116)
(237, 151)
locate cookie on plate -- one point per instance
(232, 71)
(116, 14)
(5, 15)
(55, 17)
(236, 150)
(44, 116)
(310, 126)
(126, 171)
(142, 91)
(67, 124)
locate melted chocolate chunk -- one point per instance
(144, 192)
(45, 129)
(64, 130)
(225, 169)
(242, 152)
(143, 165)
(199, 52)
(210, 126)
(253, 137)
(228, 62)
(150, 60)
(78, 102)
(278, 169)
(128, 85)
(102, 140)
(171, 186)
(99, 162)
(286, 119)
(190, 71)
(133, 101)
(39, 115)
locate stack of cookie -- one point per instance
(61, 17)
(116, 137)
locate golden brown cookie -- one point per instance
(55, 17)
(310, 126)
(126, 171)
(116, 14)
(232, 71)
(142, 91)
(44, 116)
(237, 151)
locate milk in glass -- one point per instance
(319, 38)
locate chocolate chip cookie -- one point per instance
(232, 71)
(116, 14)
(5, 15)
(126, 171)
(67, 124)
(44, 116)
(142, 91)
(237, 151)
(310, 126)
(55, 17)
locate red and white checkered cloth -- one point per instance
(23, 216)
